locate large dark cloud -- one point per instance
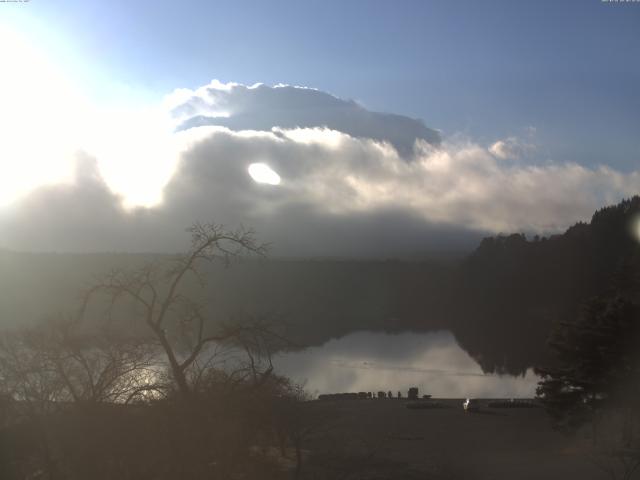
(310, 213)
(86, 216)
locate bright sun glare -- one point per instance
(262, 173)
(38, 110)
(635, 228)
(45, 121)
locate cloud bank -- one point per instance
(344, 190)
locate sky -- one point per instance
(500, 116)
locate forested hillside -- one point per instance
(500, 302)
(509, 292)
(317, 299)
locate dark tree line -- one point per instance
(507, 296)
(591, 385)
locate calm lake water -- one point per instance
(368, 361)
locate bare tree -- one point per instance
(177, 321)
(57, 362)
(27, 376)
(48, 370)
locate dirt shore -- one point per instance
(377, 439)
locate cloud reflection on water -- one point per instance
(368, 361)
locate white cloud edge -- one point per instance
(458, 183)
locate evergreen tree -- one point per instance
(598, 364)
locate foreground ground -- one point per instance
(376, 439)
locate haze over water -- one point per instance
(371, 362)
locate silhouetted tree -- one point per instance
(64, 381)
(178, 321)
(57, 370)
(597, 362)
(596, 380)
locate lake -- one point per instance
(375, 361)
